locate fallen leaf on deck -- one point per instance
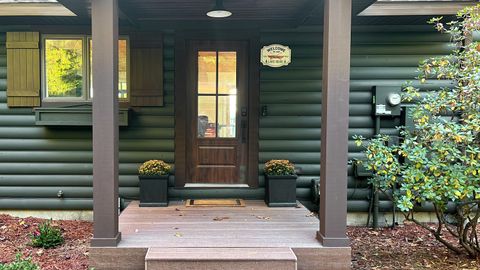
(220, 218)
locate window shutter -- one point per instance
(146, 73)
(23, 69)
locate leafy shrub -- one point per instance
(154, 167)
(279, 167)
(47, 236)
(438, 163)
(20, 264)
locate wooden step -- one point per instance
(220, 259)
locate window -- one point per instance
(64, 68)
(217, 94)
(67, 68)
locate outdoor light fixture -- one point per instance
(218, 11)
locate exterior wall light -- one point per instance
(218, 11)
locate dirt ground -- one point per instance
(406, 247)
(72, 255)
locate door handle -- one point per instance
(243, 126)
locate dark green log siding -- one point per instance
(387, 57)
(36, 162)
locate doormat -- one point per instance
(215, 203)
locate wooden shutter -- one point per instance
(23, 69)
(146, 71)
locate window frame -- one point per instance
(86, 82)
(120, 37)
(44, 91)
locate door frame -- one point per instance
(181, 115)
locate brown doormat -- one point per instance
(215, 203)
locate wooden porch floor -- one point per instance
(254, 228)
(254, 225)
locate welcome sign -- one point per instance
(276, 55)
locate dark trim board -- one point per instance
(181, 123)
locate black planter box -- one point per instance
(281, 190)
(153, 191)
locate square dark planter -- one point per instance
(281, 190)
(153, 190)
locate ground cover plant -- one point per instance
(47, 236)
(438, 162)
(20, 264)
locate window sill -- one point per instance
(72, 116)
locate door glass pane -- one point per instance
(206, 122)
(227, 116)
(63, 67)
(207, 72)
(227, 72)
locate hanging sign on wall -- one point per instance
(276, 55)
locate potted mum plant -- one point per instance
(280, 183)
(154, 183)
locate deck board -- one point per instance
(254, 225)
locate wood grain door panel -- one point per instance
(217, 155)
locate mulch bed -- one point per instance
(72, 255)
(406, 247)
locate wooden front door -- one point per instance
(217, 135)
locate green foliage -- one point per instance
(64, 69)
(47, 236)
(439, 162)
(20, 264)
(154, 167)
(279, 167)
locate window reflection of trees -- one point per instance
(64, 68)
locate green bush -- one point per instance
(279, 167)
(20, 264)
(154, 167)
(438, 163)
(47, 236)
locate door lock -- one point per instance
(244, 111)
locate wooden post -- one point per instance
(335, 105)
(105, 122)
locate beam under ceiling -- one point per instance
(34, 9)
(76, 6)
(415, 7)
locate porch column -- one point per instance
(335, 105)
(105, 122)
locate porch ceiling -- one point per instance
(191, 14)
